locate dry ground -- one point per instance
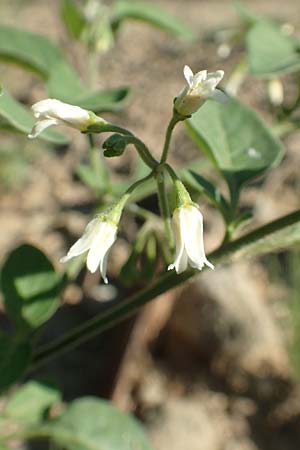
(207, 368)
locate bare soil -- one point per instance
(207, 366)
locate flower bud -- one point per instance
(114, 145)
(51, 112)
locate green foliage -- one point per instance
(30, 402)
(37, 53)
(271, 52)
(73, 18)
(30, 287)
(15, 358)
(245, 13)
(236, 141)
(271, 238)
(202, 185)
(64, 84)
(14, 115)
(151, 14)
(31, 50)
(89, 424)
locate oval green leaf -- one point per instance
(89, 424)
(236, 140)
(270, 51)
(30, 286)
(29, 403)
(153, 15)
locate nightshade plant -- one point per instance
(239, 146)
(100, 233)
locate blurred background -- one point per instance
(214, 365)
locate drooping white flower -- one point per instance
(51, 112)
(187, 224)
(200, 87)
(96, 240)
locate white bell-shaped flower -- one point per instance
(96, 240)
(51, 112)
(200, 87)
(187, 225)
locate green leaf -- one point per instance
(30, 286)
(92, 424)
(270, 51)
(31, 50)
(73, 18)
(202, 185)
(152, 14)
(30, 402)
(13, 115)
(15, 358)
(236, 140)
(35, 52)
(245, 13)
(65, 84)
(106, 100)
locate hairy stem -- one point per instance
(129, 306)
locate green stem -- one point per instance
(143, 151)
(141, 148)
(174, 120)
(170, 280)
(164, 207)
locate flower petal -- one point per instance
(200, 77)
(219, 96)
(192, 232)
(103, 267)
(188, 75)
(105, 237)
(41, 125)
(84, 243)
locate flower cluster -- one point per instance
(187, 220)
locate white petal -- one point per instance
(181, 259)
(192, 232)
(188, 75)
(106, 236)
(103, 267)
(218, 75)
(52, 108)
(84, 243)
(219, 96)
(199, 77)
(41, 125)
(180, 263)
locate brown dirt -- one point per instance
(215, 373)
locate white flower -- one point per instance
(54, 112)
(200, 87)
(97, 239)
(187, 224)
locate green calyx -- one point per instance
(96, 124)
(113, 214)
(182, 196)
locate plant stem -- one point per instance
(129, 306)
(141, 148)
(143, 151)
(164, 206)
(174, 120)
